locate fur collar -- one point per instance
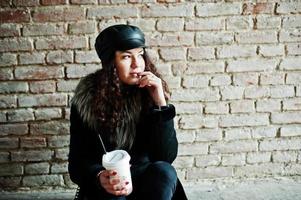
(83, 99)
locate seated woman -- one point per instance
(124, 103)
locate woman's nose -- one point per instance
(134, 63)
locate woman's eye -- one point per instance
(125, 57)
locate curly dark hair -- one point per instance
(119, 106)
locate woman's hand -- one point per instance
(112, 185)
(154, 86)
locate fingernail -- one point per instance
(114, 173)
(126, 183)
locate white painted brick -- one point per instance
(251, 65)
(220, 80)
(292, 104)
(195, 81)
(206, 135)
(291, 22)
(59, 57)
(48, 113)
(239, 23)
(173, 82)
(188, 108)
(291, 63)
(280, 144)
(164, 69)
(170, 24)
(245, 79)
(272, 78)
(242, 106)
(293, 78)
(183, 162)
(284, 156)
(254, 92)
(56, 99)
(236, 120)
(7, 59)
(268, 22)
(218, 9)
(161, 10)
(9, 30)
(172, 54)
(13, 87)
(234, 146)
(8, 101)
(258, 170)
(288, 131)
(42, 86)
(268, 105)
(62, 43)
(258, 157)
(126, 11)
(236, 51)
(232, 92)
(32, 58)
(238, 134)
(197, 121)
(2, 119)
(291, 169)
(85, 27)
(179, 68)
(208, 160)
(298, 91)
(271, 50)
(256, 37)
(167, 39)
(145, 25)
(286, 117)
(187, 95)
(293, 49)
(214, 38)
(186, 136)
(288, 7)
(86, 57)
(282, 91)
(290, 35)
(78, 71)
(43, 29)
(209, 172)
(66, 85)
(198, 53)
(17, 44)
(205, 67)
(217, 108)
(234, 159)
(201, 24)
(264, 132)
(193, 149)
(20, 115)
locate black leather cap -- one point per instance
(118, 37)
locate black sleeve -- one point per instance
(163, 144)
(84, 156)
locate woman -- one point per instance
(125, 103)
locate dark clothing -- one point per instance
(155, 142)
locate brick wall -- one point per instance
(234, 68)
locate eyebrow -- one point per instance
(127, 51)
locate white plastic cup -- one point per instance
(119, 161)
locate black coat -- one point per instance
(155, 140)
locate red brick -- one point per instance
(53, 2)
(58, 14)
(258, 8)
(38, 73)
(14, 16)
(81, 2)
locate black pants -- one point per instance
(157, 182)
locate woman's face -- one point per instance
(129, 64)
